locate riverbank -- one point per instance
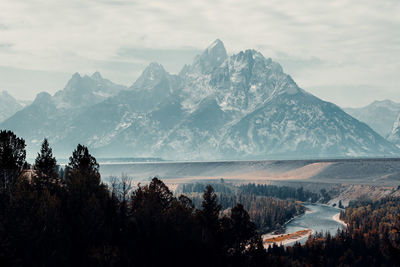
(284, 239)
(336, 218)
(319, 218)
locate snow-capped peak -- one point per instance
(217, 45)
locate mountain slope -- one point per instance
(301, 125)
(8, 105)
(379, 115)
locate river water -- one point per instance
(318, 217)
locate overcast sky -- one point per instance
(347, 52)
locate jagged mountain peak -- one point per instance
(251, 58)
(42, 98)
(240, 82)
(154, 68)
(213, 56)
(84, 82)
(75, 79)
(251, 53)
(97, 76)
(81, 91)
(153, 76)
(76, 76)
(217, 48)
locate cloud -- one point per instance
(320, 42)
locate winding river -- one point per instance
(318, 218)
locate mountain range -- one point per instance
(240, 106)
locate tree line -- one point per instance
(268, 213)
(77, 220)
(281, 192)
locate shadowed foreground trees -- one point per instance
(79, 221)
(12, 159)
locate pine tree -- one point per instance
(210, 207)
(45, 163)
(209, 218)
(83, 169)
(87, 199)
(12, 159)
(243, 245)
(242, 226)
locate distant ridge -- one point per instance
(380, 115)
